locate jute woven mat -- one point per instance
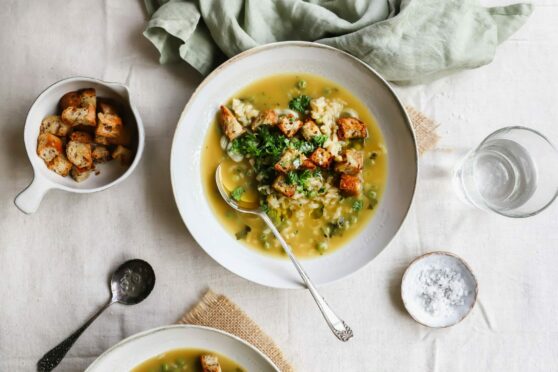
(217, 311)
(425, 130)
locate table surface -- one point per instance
(54, 269)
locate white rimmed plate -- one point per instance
(253, 65)
(138, 348)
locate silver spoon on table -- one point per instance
(339, 328)
(130, 284)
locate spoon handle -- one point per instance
(50, 360)
(339, 328)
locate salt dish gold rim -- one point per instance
(462, 261)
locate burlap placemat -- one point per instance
(217, 311)
(425, 130)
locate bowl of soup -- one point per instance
(312, 136)
(180, 348)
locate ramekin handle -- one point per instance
(28, 200)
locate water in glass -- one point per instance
(505, 172)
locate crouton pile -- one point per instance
(88, 131)
(312, 136)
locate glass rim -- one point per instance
(536, 132)
(520, 127)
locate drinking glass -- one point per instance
(513, 172)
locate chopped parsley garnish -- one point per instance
(304, 176)
(263, 142)
(319, 140)
(301, 178)
(265, 147)
(357, 205)
(236, 194)
(304, 147)
(292, 178)
(246, 144)
(300, 103)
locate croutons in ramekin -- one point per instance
(87, 130)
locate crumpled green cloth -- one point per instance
(406, 41)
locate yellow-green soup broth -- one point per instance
(320, 217)
(185, 360)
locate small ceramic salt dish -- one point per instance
(109, 174)
(439, 289)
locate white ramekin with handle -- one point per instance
(109, 174)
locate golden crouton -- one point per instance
(124, 138)
(122, 153)
(88, 97)
(106, 108)
(290, 160)
(289, 125)
(60, 165)
(53, 124)
(352, 162)
(280, 184)
(349, 128)
(308, 164)
(70, 99)
(210, 363)
(101, 140)
(310, 130)
(80, 174)
(79, 154)
(110, 125)
(349, 185)
(79, 115)
(321, 157)
(82, 137)
(48, 146)
(231, 126)
(266, 117)
(100, 154)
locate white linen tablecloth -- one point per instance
(54, 269)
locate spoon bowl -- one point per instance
(132, 282)
(244, 208)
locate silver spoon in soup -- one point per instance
(341, 330)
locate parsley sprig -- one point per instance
(300, 103)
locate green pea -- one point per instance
(321, 247)
(301, 84)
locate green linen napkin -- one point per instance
(406, 41)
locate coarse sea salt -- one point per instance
(441, 289)
(438, 289)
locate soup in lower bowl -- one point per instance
(189, 360)
(306, 151)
